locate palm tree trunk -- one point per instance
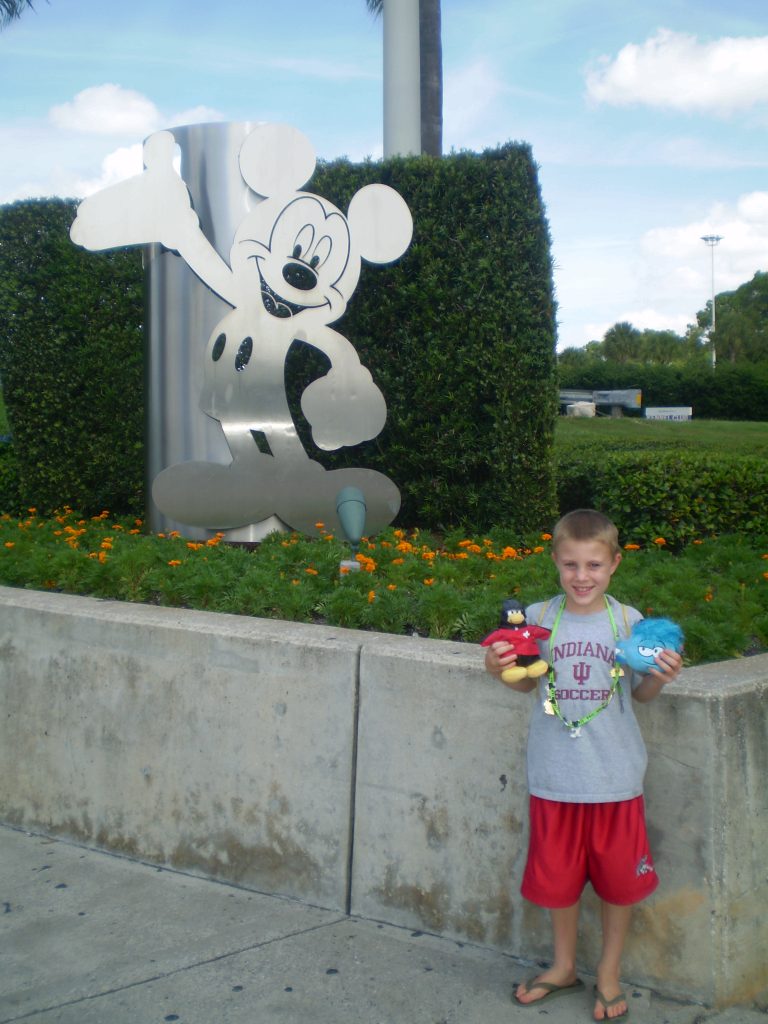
(431, 56)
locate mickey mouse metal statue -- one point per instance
(294, 263)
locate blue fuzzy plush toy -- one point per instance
(648, 638)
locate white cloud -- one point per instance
(676, 71)
(116, 166)
(195, 115)
(670, 278)
(107, 110)
(678, 251)
(468, 106)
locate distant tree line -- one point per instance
(741, 335)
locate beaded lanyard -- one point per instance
(551, 706)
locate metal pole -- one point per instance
(711, 241)
(402, 78)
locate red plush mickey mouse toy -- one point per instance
(514, 629)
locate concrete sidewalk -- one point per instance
(90, 938)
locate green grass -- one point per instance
(740, 438)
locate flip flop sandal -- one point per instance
(552, 991)
(608, 1003)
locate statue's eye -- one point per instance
(314, 262)
(303, 241)
(322, 251)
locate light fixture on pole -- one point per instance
(711, 241)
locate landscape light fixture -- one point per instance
(711, 241)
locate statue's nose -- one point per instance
(299, 275)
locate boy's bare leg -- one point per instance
(615, 926)
(565, 927)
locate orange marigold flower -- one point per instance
(427, 555)
(391, 586)
(465, 543)
(102, 557)
(371, 596)
(397, 561)
(311, 571)
(32, 511)
(10, 544)
(295, 583)
(765, 574)
(509, 553)
(429, 582)
(134, 531)
(399, 534)
(708, 596)
(538, 550)
(405, 546)
(546, 536)
(319, 526)
(343, 570)
(660, 541)
(192, 545)
(701, 542)
(631, 547)
(174, 561)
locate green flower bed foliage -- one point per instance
(70, 363)
(459, 335)
(411, 583)
(677, 495)
(732, 392)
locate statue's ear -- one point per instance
(276, 158)
(380, 223)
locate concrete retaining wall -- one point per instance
(383, 776)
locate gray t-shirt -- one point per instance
(607, 761)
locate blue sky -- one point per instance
(648, 121)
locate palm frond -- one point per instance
(10, 10)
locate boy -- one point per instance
(586, 761)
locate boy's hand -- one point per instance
(498, 656)
(669, 664)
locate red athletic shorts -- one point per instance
(571, 844)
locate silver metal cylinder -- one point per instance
(181, 313)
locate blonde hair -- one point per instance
(586, 524)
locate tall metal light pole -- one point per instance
(711, 241)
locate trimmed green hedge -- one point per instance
(677, 496)
(459, 335)
(71, 366)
